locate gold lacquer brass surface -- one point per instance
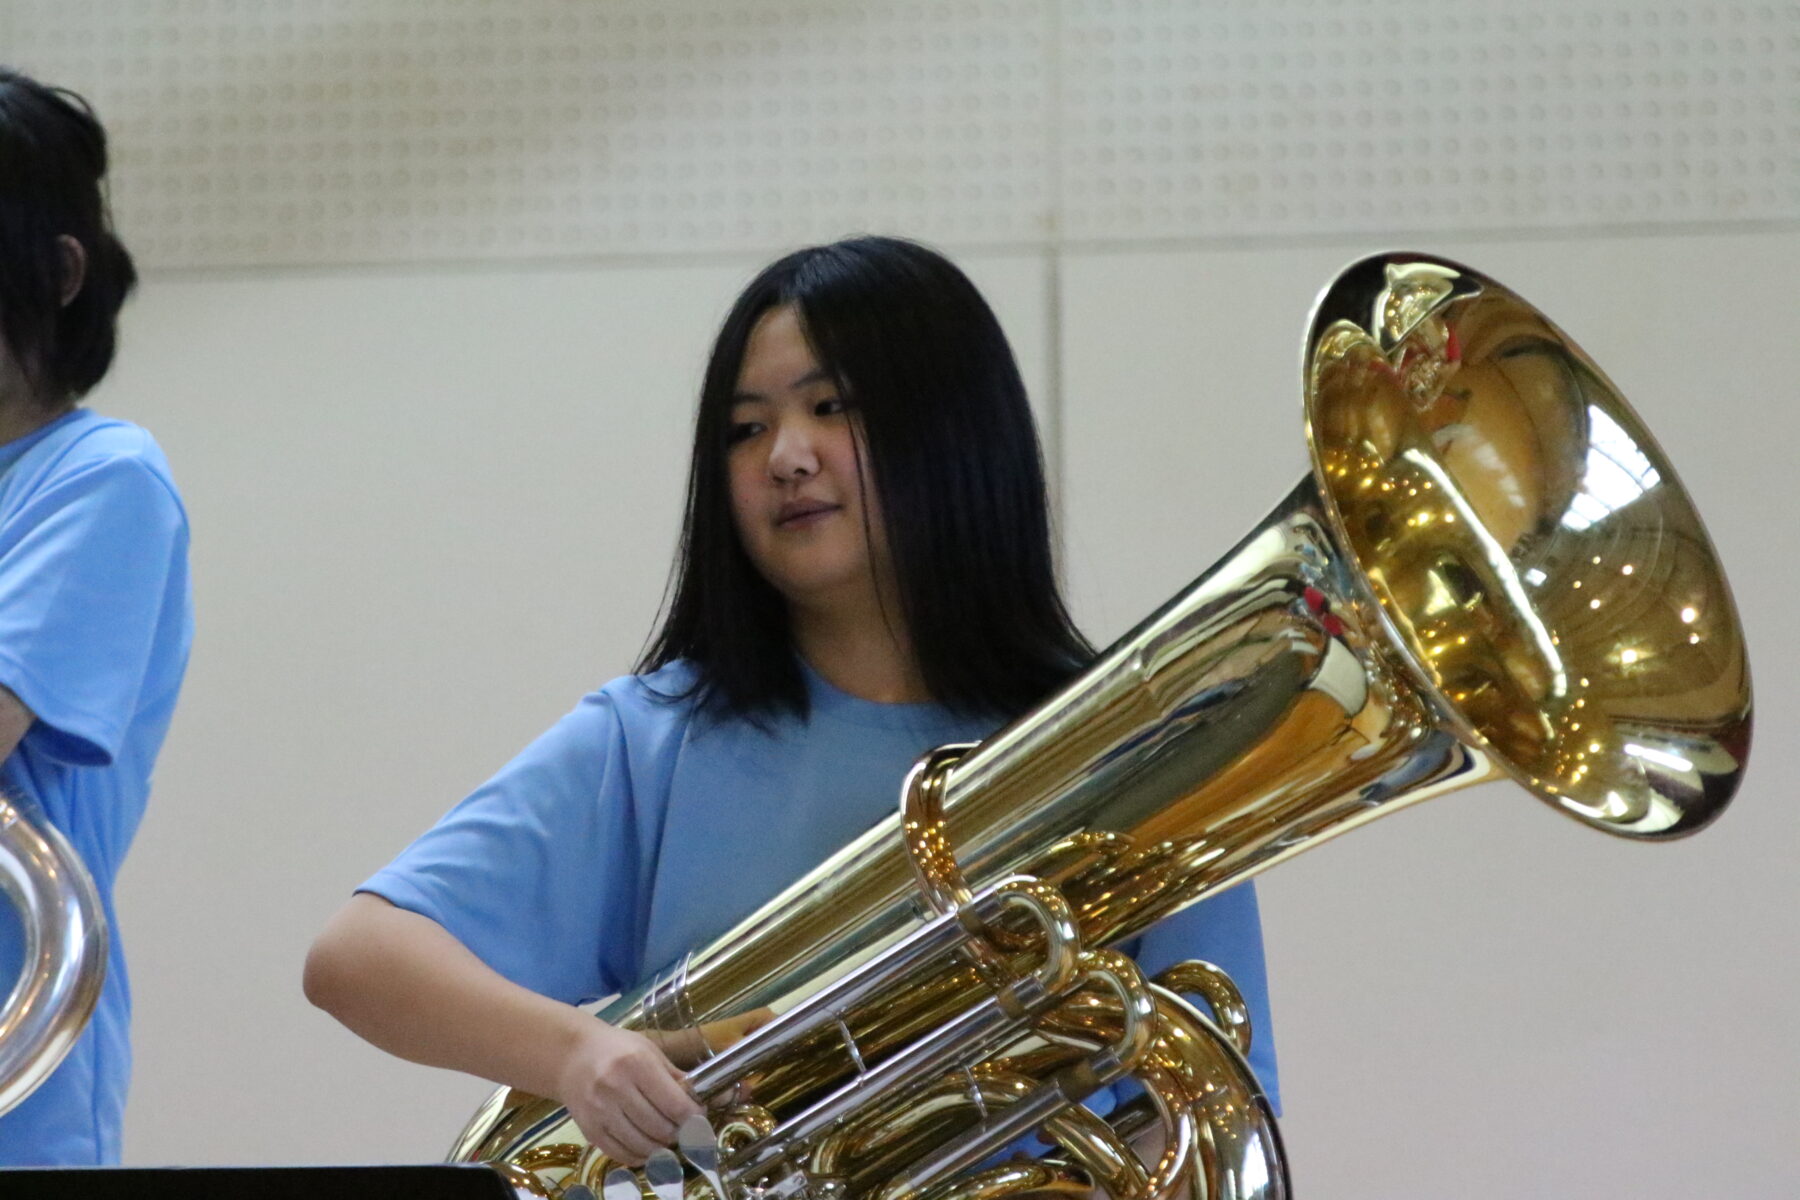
(1529, 544)
(1491, 571)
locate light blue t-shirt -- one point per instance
(617, 841)
(95, 623)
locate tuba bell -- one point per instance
(65, 945)
(1491, 572)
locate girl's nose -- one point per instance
(793, 455)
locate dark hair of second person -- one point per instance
(67, 274)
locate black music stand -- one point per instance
(442, 1182)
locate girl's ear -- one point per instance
(74, 257)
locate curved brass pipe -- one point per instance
(1491, 571)
(64, 963)
(1206, 980)
(1014, 1178)
(1106, 1160)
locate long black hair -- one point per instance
(52, 170)
(920, 358)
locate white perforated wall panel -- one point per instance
(303, 131)
(259, 131)
(1307, 116)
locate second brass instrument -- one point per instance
(1492, 571)
(64, 961)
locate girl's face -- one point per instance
(798, 491)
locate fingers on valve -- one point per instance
(622, 1141)
(640, 1102)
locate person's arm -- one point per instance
(404, 983)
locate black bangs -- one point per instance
(959, 473)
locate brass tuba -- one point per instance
(1491, 572)
(65, 952)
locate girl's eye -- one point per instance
(829, 408)
(741, 431)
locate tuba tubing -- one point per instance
(1491, 572)
(65, 952)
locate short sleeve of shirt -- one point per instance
(537, 871)
(85, 564)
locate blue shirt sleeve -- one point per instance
(537, 871)
(85, 566)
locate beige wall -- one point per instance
(427, 301)
(431, 508)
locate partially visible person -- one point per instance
(95, 614)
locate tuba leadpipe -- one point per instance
(1491, 572)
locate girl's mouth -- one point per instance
(799, 514)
